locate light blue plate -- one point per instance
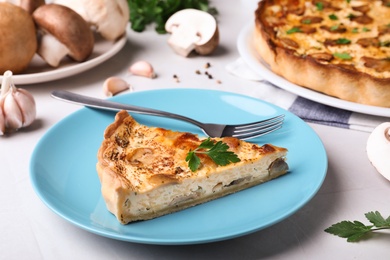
(64, 177)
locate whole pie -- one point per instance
(340, 48)
(144, 172)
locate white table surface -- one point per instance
(29, 230)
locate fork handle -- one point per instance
(114, 106)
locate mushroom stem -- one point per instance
(52, 50)
(387, 134)
(378, 149)
(183, 41)
(6, 83)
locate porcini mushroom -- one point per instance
(63, 32)
(18, 38)
(109, 17)
(192, 29)
(378, 149)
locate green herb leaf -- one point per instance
(206, 144)
(355, 30)
(145, 12)
(334, 27)
(220, 155)
(294, 30)
(320, 6)
(193, 161)
(343, 41)
(355, 230)
(333, 17)
(377, 220)
(365, 29)
(218, 152)
(342, 55)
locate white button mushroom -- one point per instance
(378, 149)
(109, 17)
(18, 38)
(64, 32)
(192, 29)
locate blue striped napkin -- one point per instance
(308, 110)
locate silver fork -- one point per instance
(241, 131)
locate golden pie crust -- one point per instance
(340, 48)
(144, 173)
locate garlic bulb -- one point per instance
(17, 106)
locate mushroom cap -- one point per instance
(193, 29)
(110, 17)
(31, 5)
(68, 27)
(17, 38)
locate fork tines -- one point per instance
(252, 130)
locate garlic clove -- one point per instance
(27, 105)
(114, 85)
(2, 122)
(142, 68)
(13, 114)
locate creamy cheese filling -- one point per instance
(194, 189)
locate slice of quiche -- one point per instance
(144, 173)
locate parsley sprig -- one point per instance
(353, 231)
(218, 152)
(145, 12)
(294, 30)
(320, 6)
(342, 55)
(343, 41)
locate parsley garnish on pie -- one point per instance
(342, 55)
(343, 41)
(333, 17)
(218, 152)
(320, 6)
(294, 30)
